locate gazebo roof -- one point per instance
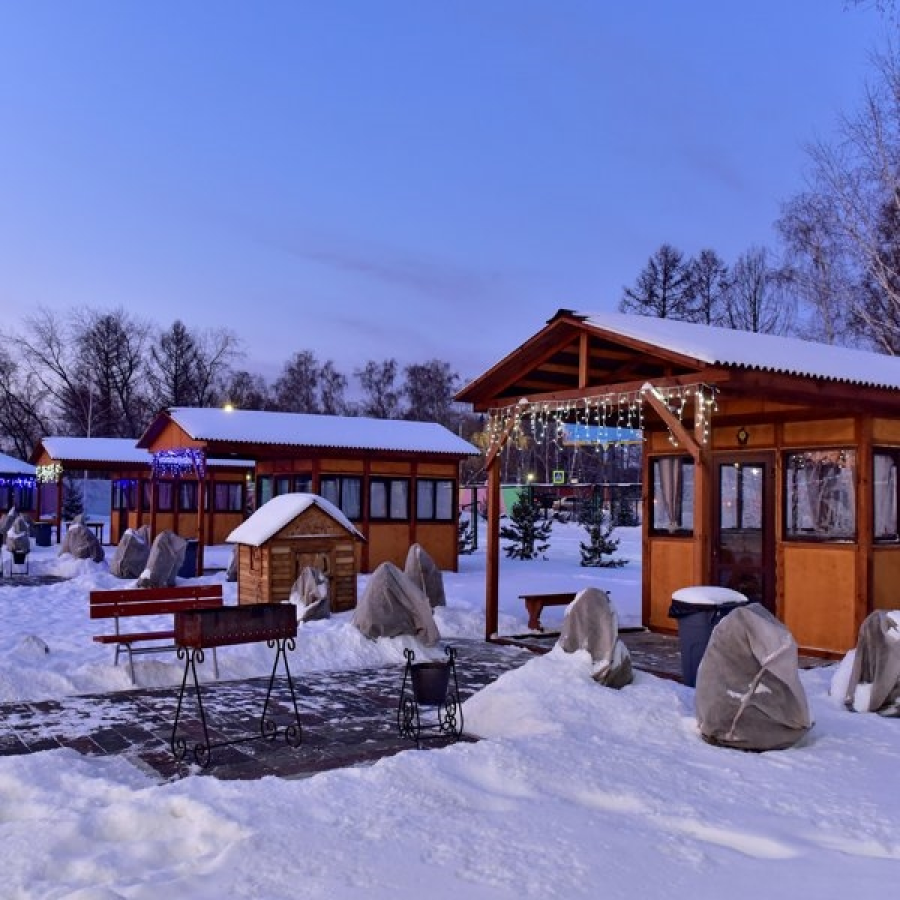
(577, 352)
(278, 512)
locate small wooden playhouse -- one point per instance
(287, 534)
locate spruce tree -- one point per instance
(526, 528)
(601, 544)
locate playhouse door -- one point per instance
(743, 546)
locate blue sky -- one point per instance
(410, 179)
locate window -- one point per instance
(227, 497)
(344, 492)
(263, 490)
(434, 499)
(282, 485)
(165, 496)
(820, 495)
(187, 496)
(884, 498)
(303, 484)
(673, 495)
(389, 498)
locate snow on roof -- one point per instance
(745, 349)
(272, 516)
(306, 430)
(95, 449)
(9, 465)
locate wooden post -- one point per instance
(492, 585)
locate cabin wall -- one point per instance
(823, 589)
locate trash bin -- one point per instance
(189, 566)
(697, 610)
(42, 532)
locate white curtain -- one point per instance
(885, 496)
(670, 488)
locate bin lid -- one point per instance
(709, 595)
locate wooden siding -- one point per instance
(886, 577)
(670, 567)
(819, 585)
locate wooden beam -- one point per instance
(492, 567)
(679, 432)
(584, 353)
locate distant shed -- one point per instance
(287, 534)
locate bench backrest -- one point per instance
(153, 601)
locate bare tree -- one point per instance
(755, 300)
(663, 288)
(332, 387)
(857, 181)
(245, 390)
(381, 398)
(296, 389)
(815, 267)
(429, 390)
(22, 419)
(217, 350)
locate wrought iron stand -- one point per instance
(430, 686)
(199, 629)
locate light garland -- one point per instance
(179, 462)
(49, 473)
(17, 481)
(617, 413)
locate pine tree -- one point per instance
(527, 529)
(73, 498)
(601, 543)
(466, 537)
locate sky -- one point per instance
(389, 178)
(573, 790)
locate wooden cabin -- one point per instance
(770, 463)
(287, 534)
(17, 485)
(396, 481)
(162, 495)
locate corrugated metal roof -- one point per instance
(304, 430)
(93, 449)
(9, 465)
(748, 350)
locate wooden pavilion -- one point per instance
(770, 463)
(163, 497)
(395, 480)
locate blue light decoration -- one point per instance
(17, 481)
(179, 462)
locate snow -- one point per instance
(574, 790)
(9, 465)
(273, 515)
(307, 430)
(769, 352)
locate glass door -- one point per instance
(743, 551)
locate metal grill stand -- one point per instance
(199, 629)
(429, 699)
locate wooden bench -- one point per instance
(535, 604)
(134, 603)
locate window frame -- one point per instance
(396, 507)
(432, 485)
(684, 487)
(893, 454)
(342, 483)
(791, 501)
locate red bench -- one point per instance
(137, 603)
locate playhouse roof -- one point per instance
(244, 426)
(278, 512)
(9, 465)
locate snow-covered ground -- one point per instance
(575, 790)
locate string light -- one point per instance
(48, 473)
